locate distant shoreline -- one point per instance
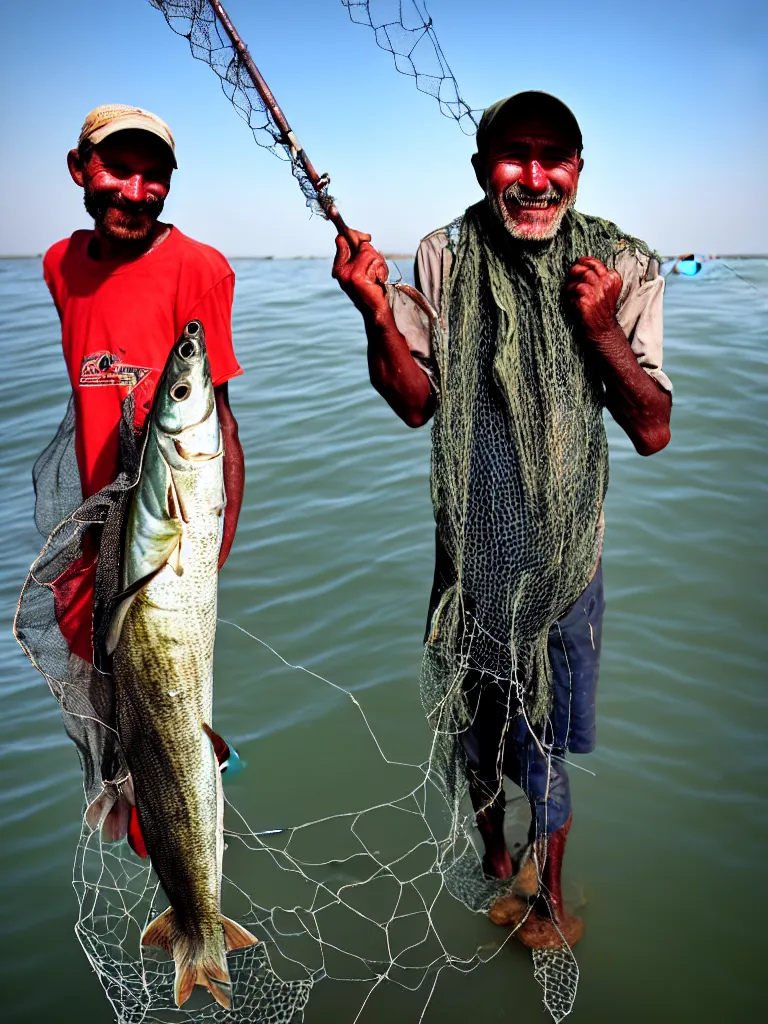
(386, 255)
(409, 256)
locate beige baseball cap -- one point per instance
(117, 117)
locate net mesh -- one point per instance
(332, 900)
(196, 22)
(519, 473)
(404, 29)
(390, 903)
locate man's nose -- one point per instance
(134, 188)
(534, 176)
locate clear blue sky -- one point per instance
(671, 99)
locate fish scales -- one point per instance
(163, 638)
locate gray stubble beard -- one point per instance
(502, 214)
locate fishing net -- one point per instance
(404, 28)
(390, 905)
(197, 22)
(357, 896)
(519, 474)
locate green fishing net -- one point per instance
(519, 454)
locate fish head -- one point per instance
(184, 399)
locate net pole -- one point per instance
(298, 154)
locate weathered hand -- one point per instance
(361, 273)
(593, 291)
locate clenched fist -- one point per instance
(593, 291)
(361, 273)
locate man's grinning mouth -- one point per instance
(534, 204)
(515, 197)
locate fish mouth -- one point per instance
(194, 456)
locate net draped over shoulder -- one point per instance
(519, 471)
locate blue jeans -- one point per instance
(574, 653)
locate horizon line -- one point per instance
(410, 256)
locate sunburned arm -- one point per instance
(394, 372)
(234, 470)
(637, 403)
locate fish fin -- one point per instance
(154, 530)
(116, 823)
(162, 932)
(220, 746)
(110, 811)
(116, 625)
(178, 514)
(186, 979)
(214, 975)
(235, 936)
(173, 498)
(98, 810)
(196, 965)
(122, 607)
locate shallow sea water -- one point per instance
(332, 567)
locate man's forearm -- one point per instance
(637, 403)
(394, 372)
(234, 484)
(234, 472)
(362, 273)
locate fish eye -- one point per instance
(186, 349)
(192, 327)
(180, 391)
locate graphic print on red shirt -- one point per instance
(104, 369)
(119, 322)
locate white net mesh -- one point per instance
(380, 874)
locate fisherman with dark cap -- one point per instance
(528, 318)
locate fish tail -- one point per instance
(198, 962)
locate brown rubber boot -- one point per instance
(510, 910)
(548, 926)
(526, 883)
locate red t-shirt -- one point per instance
(119, 322)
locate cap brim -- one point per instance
(121, 124)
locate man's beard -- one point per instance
(119, 219)
(517, 196)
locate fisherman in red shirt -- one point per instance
(124, 292)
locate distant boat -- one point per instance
(689, 265)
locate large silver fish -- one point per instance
(161, 638)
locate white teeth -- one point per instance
(533, 204)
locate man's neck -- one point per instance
(113, 250)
